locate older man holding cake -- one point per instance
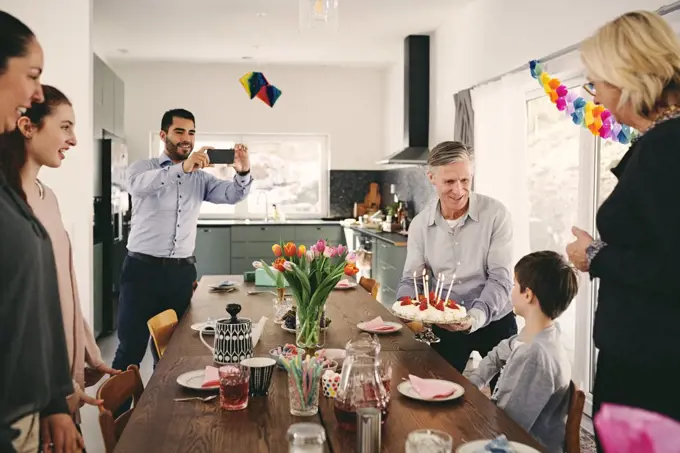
(461, 246)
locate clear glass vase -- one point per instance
(303, 402)
(309, 335)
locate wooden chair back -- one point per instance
(572, 438)
(161, 328)
(370, 285)
(114, 392)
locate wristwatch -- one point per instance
(243, 173)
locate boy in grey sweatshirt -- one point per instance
(533, 387)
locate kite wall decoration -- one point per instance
(256, 85)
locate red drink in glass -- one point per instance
(234, 381)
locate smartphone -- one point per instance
(221, 156)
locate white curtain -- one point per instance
(500, 150)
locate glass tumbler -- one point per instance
(234, 382)
(428, 441)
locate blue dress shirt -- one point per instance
(166, 203)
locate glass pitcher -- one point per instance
(361, 382)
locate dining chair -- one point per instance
(572, 437)
(114, 392)
(370, 285)
(161, 328)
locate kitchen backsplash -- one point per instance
(350, 186)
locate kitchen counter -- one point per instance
(230, 222)
(396, 239)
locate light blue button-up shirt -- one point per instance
(478, 251)
(166, 203)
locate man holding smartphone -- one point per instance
(167, 191)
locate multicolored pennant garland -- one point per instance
(594, 117)
(256, 85)
(269, 94)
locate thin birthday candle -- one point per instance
(448, 293)
(427, 288)
(415, 283)
(441, 288)
(436, 286)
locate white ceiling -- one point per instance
(371, 32)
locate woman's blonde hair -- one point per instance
(638, 53)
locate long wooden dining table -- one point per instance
(159, 424)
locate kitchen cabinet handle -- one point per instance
(206, 231)
(383, 245)
(263, 228)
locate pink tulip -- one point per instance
(288, 266)
(310, 255)
(341, 250)
(329, 252)
(351, 257)
(320, 245)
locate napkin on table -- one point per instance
(377, 324)
(211, 377)
(431, 389)
(257, 330)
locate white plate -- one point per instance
(194, 380)
(351, 285)
(397, 327)
(283, 326)
(478, 445)
(406, 389)
(199, 325)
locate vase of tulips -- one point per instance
(311, 275)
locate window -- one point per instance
(553, 180)
(289, 171)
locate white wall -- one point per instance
(486, 38)
(347, 103)
(63, 29)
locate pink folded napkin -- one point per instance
(343, 283)
(211, 377)
(431, 389)
(377, 324)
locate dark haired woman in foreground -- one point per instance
(35, 378)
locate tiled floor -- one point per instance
(108, 345)
(89, 414)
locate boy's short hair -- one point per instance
(552, 280)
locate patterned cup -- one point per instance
(261, 370)
(330, 382)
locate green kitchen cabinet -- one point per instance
(213, 251)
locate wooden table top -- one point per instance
(160, 424)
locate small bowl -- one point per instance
(331, 365)
(274, 354)
(333, 354)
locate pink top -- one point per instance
(82, 347)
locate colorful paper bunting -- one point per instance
(256, 85)
(598, 120)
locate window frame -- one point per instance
(241, 211)
(588, 186)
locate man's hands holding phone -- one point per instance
(197, 160)
(200, 159)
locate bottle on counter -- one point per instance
(276, 217)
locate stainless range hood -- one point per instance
(416, 103)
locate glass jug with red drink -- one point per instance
(364, 382)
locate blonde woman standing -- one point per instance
(633, 64)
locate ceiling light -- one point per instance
(319, 14)
(260, 14)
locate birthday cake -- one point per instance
(434, 310)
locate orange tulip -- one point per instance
(276, 248)
(289, 249)
(301, 251)
(278, 264)
(351, 269)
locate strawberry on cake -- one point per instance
(433, 310)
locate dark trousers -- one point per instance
(146, 289)
(456, 347)
(636, 384)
